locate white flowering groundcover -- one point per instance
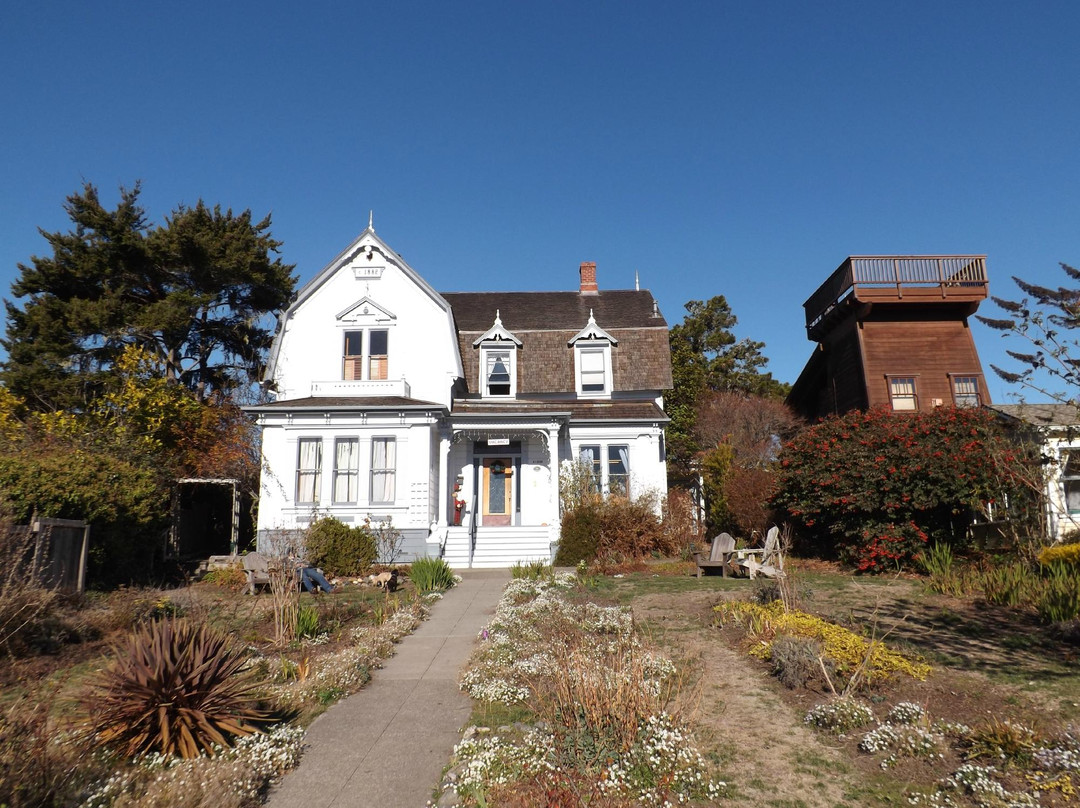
(909, 732)
(541, 640)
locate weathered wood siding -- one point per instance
(928, 343)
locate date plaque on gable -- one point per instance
(367, 273)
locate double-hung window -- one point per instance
(965, 391)
(383, 470)
(609, 467)
(366, 355)
(308, 471)
(1070, 480)
(902, 393)
(346, 470)
(618, 481)
(592, 369)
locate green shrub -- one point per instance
(1010, 584)
(1059, 597)
(531, 570)
(580, 535)
(873, 487)
(339, 549)
(431, 575)
(172, 688)
(307, 621)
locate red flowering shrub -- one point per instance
(875, 487)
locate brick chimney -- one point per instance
(588, 278)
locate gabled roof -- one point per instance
(497, 333)
(367, 241)
(592, 331)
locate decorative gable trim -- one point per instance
(367, 242)
(497, 333)
(366, 309)
(592, 331)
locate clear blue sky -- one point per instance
(742, 149)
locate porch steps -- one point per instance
(498, 546)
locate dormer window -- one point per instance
(592, 369)
(592, 359)
(498, 361)
(497, 375)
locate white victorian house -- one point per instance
(451, 413)
(1057, 429)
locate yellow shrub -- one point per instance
(846, 649)
(1063, 553)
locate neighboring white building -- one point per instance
(1058, 428)
(451, 413)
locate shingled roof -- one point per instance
(545, 322)
(578, 410)
(546, 311)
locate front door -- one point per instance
(498, 499)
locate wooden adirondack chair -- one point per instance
(771, 563)
(719, 556)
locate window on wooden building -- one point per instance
(966, 391)
(902, 393)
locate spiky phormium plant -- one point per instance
(173, 688)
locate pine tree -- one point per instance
(195, 293)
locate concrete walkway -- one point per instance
(386, 746)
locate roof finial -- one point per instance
(371, 221)
(498, 320)
(637, 282)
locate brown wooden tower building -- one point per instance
(893, 331)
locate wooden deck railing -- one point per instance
(881, 276)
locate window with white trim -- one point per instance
(609, 466)
(383, 470)
(965, 391)
(346, 470)
(366, 355)
(1070, 481)
(618, 470)
(589, 456)
(498, 371)
(593, 369)
(902, 393)
(308, 470)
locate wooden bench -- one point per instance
(257, 570)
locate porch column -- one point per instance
(553, 462)
(444, 492)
